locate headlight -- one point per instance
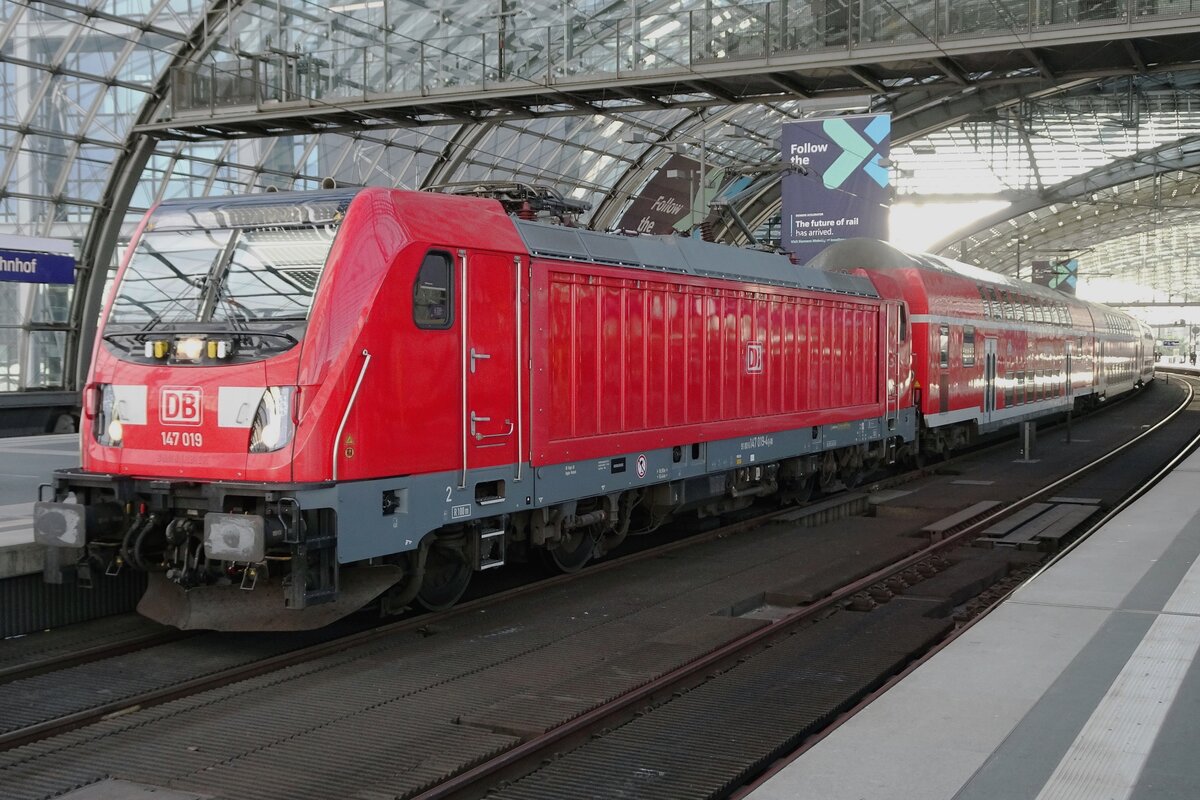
(273, 427)
(109, 430)
(189, 349)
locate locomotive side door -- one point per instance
(490, 308)
(989, 378)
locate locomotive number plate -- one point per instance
(182, 439)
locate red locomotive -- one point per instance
(419, 386)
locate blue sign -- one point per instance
(837, 187)
(28, 267)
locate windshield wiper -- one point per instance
(149, 326)
(273, 334)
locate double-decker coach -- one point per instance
(990, 351)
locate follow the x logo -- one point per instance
(856, 150)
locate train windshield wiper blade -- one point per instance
(151, 324)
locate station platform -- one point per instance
(26, 462)
(1084, 684)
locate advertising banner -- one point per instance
(29, 267)
(667, 201)
(838, 187)
(1062, 275)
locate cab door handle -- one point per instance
(480, 436)
(475, 356)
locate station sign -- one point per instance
(32, 260)
(837, 184)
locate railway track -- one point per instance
(64, 655)
(1186, 450)
(174, 687)
(558, 738)
(495, 777)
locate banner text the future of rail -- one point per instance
(838, 184)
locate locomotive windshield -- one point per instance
(232, 275)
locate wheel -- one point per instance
(801, 491)
(571, 553)
(854, 477)
(447, 575)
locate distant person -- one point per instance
(1192, 358)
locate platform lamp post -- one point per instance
(1017, 241)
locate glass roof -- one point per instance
(77, 75)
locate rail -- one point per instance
(85, 716)
(1119, 507)
(527, 755)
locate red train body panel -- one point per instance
(632, 363)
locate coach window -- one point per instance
(944, 345)
(432, 293)
(968, 350)
(997, 311)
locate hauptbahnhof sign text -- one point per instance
(30, 260)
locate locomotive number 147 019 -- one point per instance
(182, 439)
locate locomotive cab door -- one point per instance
(490, 308)
(989, 379)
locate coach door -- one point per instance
(989, 379)
(490, 308)
(892, 340)
(1069, 389)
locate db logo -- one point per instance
(179, 406)
(754, 357)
